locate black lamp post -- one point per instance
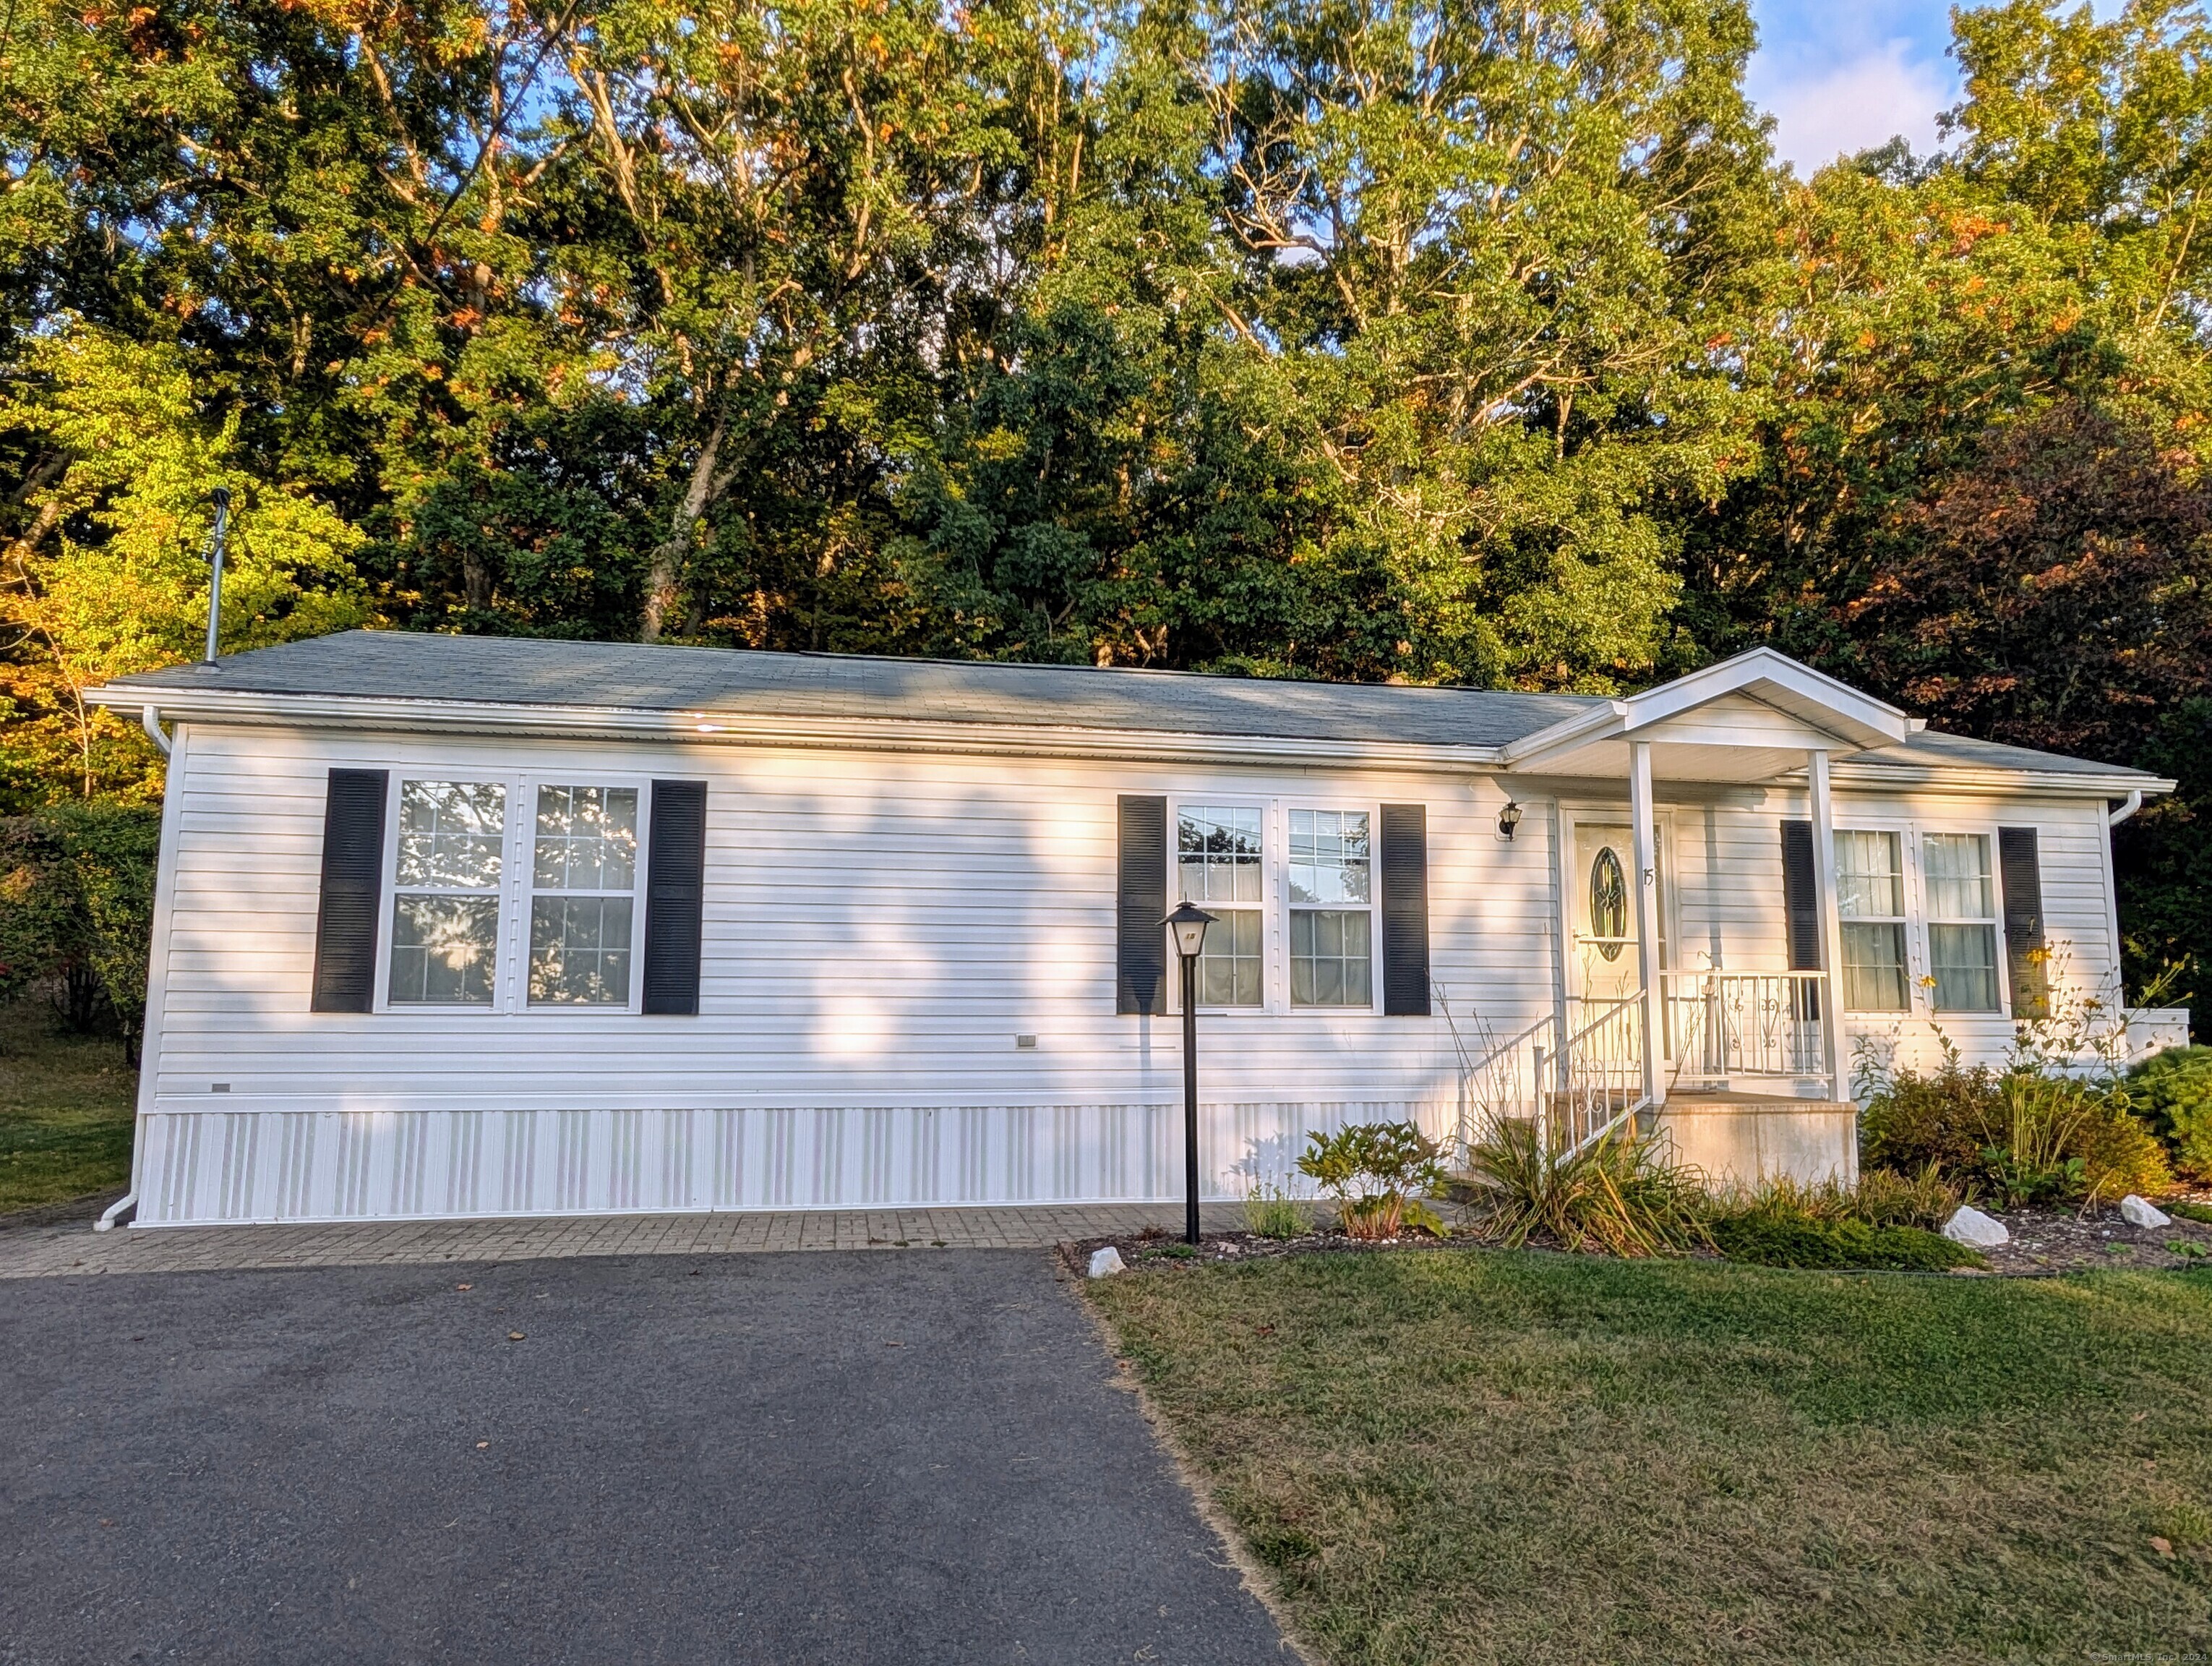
(1188, 923)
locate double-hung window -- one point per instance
(446, 885)
(1870, 900)
(583, 895)
(1962, 930)
(1332, 909)
(520, 893)
(1220, 858)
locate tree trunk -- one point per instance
(662, 576)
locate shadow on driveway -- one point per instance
(906, 1458)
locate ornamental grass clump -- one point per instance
(1272, 1213)
(1618, 1196)
(1378, 1173)
(2014, 1139)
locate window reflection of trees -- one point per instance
(451, 833)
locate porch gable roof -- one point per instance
(1749, 718)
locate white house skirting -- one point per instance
(201, 1167)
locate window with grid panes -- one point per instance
(1219, 860)
(583, 895)
(1332, 924)
(1870, 903)
(1962, 921)
(446, 892)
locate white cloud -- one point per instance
(1821, 113)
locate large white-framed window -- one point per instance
(583, 894)
(1221, 866)
(1960, 887)
(514, 894)
(1330, 898)
(1870, 905)
(448, 886)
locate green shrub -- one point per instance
(2018, 1138)
(2172, 1092)
(2191, 1212)
(76, 911)
(1619, 1195)
(2120, 1155)
(1379, 1172)
(1270, 1213)
(1781, 1240)
(1943, 1119)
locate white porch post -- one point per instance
(1646, 884)
(1832, 932)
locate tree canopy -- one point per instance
(1446, 343)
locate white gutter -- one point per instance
(106, 1222)
(2133, 802)
(1984, 778)
(150, 716)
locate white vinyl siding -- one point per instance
(879, 927)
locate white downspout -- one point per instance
(2129, 805)
(149, 718)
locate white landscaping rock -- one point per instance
(1973, 1227)
(2141, 1211)
(1106, 1262)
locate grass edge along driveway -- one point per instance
(1475, 1455)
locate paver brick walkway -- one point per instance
(74, 1248)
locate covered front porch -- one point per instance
(1744, 1066)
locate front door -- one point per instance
(1603, 900)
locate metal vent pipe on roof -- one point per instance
(222, 496)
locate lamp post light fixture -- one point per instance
(1188, 923)
(1509, 819)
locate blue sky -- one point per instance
(1838, 75)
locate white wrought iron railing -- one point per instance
(1575, 1090)
(1724, 1025)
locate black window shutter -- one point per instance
(1800, 897)
(675, 895)
(353, 888)
(2025, 961)
(1406, 910)
(1140, 958)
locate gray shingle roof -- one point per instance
(629, 676)
(518, 671)
(1929, 748)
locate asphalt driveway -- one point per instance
(909, 1457)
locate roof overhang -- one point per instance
(1753, 718)
(241, 707)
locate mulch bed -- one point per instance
(2061, 1240)
(2044, 1241)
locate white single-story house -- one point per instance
(453, 926)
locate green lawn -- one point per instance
(66, 1110)
(1488, 1457)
